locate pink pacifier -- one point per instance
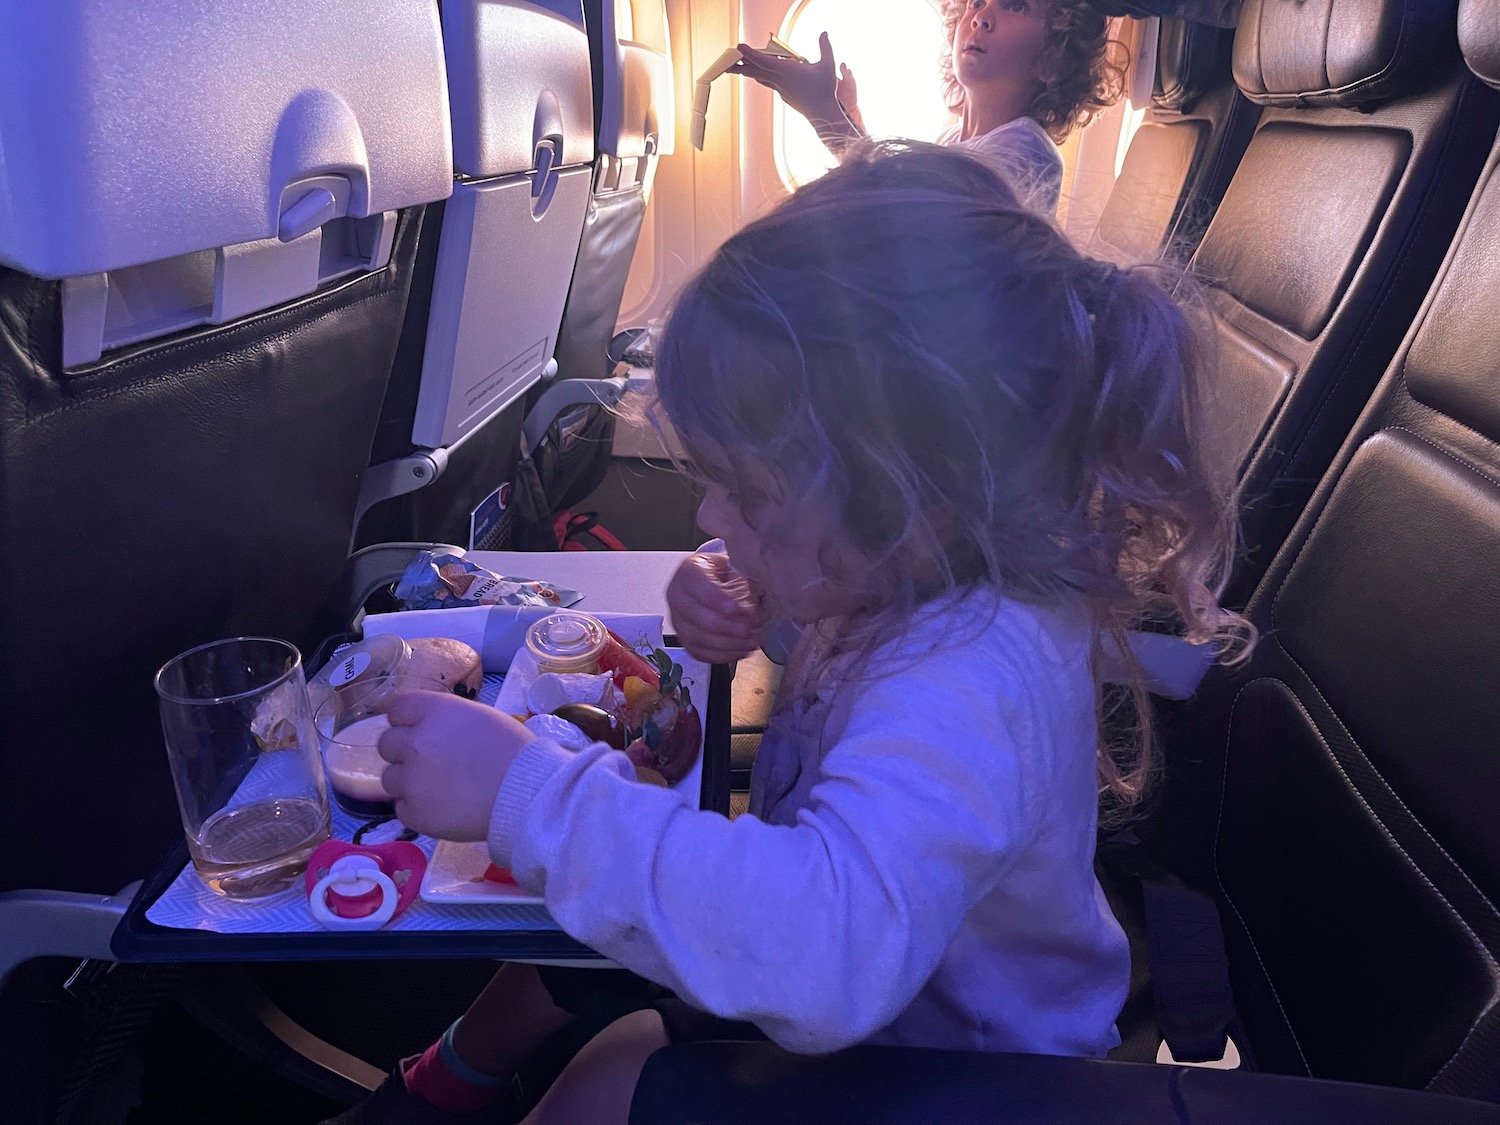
(362, 886)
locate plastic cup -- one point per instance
(244, 759)
(349, 727)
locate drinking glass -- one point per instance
(244, 758)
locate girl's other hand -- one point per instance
(808, 87)
(447, 757)
(716, 614)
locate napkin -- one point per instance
(497, 632)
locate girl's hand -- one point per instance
(447, 759)
(811, 88)
(715, 613)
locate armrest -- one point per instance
(565, 394)
(741, 1083)
(57, 924)
(374, 567)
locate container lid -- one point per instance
(567, 636)
(364, 660)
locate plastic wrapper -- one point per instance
(445, 581)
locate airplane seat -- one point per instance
(635, 116)
(635, 113)
(1182, 156)
(494, 267)
(1370, 139)
(207, 230)
(1338, 792)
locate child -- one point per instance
(1020, 75)
(963, 457)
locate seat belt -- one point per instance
(1185, 945)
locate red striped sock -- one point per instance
(441, 1077)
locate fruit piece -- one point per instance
(641, 755)
(621, 661)
(637, 691)
(597, 724)
(679, 746)
(494, 873)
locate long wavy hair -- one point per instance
(983, 407)
(1081, 70)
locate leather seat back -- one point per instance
(1339, 792)
(1330, 231)
(206, 236)
(1182, 156)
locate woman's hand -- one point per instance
(715, 613)
(447, 757)
(811, 88)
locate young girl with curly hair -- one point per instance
(1020, 74)
(967, 460)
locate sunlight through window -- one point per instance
(893, 47)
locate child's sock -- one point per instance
(442, 1077)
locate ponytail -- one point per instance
(1162, 515)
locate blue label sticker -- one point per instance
(485, 518)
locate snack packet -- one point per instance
(446, 581)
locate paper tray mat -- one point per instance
(189, 905)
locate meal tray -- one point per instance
(189, 925)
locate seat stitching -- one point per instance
(1229, 898)
(1457, 460)
(1296, 557)
(1394, 795)
(1453, 1058)
(1307, 537)
(1483, 947)
(1389, 284)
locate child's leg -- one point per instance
(598, 1084)
(474, 1061)
(508, 1021)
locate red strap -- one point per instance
(571, 527)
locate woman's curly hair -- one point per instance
(1081, 69)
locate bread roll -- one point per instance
(449, 662)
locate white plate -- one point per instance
(455, 875)
(512, 700)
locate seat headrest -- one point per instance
(1479, 36)
(1340, 52)
(1191, 59)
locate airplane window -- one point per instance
(893, 47)
(624, 20)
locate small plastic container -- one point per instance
(372, 660)
(567, 641)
